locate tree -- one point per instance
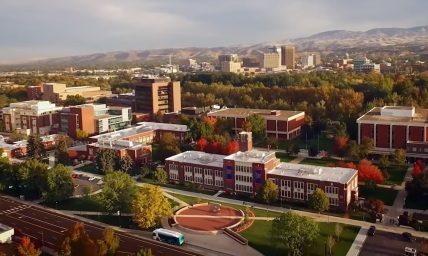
(144, 171)
(126, 163)
(370, 187)
(338, 229)
(118, 190)
(330, 244)
(318, 201)
(201, 144)
(59, 184)
(73, 100)
(416, 170)
(366, 146)
(293, 149)
(366, 171)
(30, 179)
(353, 150)
(258, 126)
(62, 144)
(231, 148)
(87, 191)
(35, 147)
(384, 161)
(160, 175)
(27, 248)
(268, 192)
(81, 135)
(149, 206)
(273, 142)
(144, 252)
(77, 242)
(111, 240)
(158, 117)
(399, 156)
(246, 126)
(340, 145)
(106, 160)
(168, 146)
(294, 231)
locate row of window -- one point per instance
(331, 190)
(243, 188)
(243, 178)
(246, 169)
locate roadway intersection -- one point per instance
(49, 227)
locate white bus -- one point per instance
(168, 236)
(410, 251)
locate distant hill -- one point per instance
(326, 42)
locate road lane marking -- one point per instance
(27, 217)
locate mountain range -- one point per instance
(379, 39)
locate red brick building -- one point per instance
(245, 172)
(282, 124)
(34, 92)
(395, 127)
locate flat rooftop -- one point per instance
(104, 116)
(197, 157)
(310, 172)
(165, 127)
(253, 156)
(4, 228)
(246, 112)
(397, 114)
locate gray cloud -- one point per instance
(47, 28)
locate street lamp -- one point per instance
(56, 205)
(118, 214)
(43, 240)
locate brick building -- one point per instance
(94, 119)
(34, 92)
(31, 117)
(395, 127)
(56, 92)
(245, 172)
(282, 124)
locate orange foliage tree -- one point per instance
(366, 171)
(210, 119)
(340, 146)
(27, 248)
(201, 144)
(78, 242)
(416, 170)
(231, 147)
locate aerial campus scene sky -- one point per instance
(50, 28)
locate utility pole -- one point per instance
(306, 141)
(318, 142)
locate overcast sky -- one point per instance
(32, 29)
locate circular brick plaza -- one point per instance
(205, 217)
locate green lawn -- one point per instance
(284, 157)
(416, 203)
(257, 212)
(319, 162)
(387, 195)
(155, 152)
(79, 204)
(396, 174)
(180, 187)
(88, 168)
(259, 238)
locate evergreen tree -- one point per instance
(35, 147)
(62, 145)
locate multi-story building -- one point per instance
(34, 92)
(122, 100)
(250, 62)
(56, 92)
(230, 66)
(227, 58)
(94, 119)
(395, 127)
(245, 172)
(288, 56)
(308, 61)
(366, 66)
(31, 117)
(281, 124)
(157, 94)
(270, 60)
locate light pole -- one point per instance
(118, 214)
(56, 205)
(43, 240)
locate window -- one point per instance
(298, 185)
(298, 195)
(331, 190)
(243, 188)
(219, 183)
(286, 183)
(333, 201)
(311, 186)
(173, 167)
(173, 176)
(208, 181)
(286, 193)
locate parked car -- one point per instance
(372, 231)
(408, 237)
(92, 178)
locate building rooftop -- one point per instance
(117, 144)
(253, 156)
(398, 114)
(103, 117)
(197, 157)
(165, 127)
(245, 112)
(4, 228)
(321, 173)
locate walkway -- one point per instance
(175, 199)
(398, 207)
(358, 243)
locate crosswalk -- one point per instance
(15, 209)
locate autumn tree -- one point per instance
(246, 126)
(160, 175)
(231, 147)
(318, 201)
(144, 252)
(35, 147)
(353, 150)
(110, 240)
(126, 163)
(366, 171)
(366, 146)
(62, 144)
(201, 144)
(399, 156)
(416, 170)
(268, 192)
(106, 160)
(118, 191)
(81, 135)
(273, 142)
(27, 248)
(73, 100)
(296, 232)
(340, 145)
(384, 161)
(150, 206)
(77, 242)
(144, 171)
(168, 146)
(330, 243)
(258, 126)
(338, 229)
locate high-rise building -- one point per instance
(34, 92)
(228, 57)
(229, 63)
(288, 56)
(34, 117)
(307, 61)
(157, 94)
(250, 62)
(270, 60)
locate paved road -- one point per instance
(37, 222)
(386, 244)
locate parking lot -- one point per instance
(82, 182)
(386, 243)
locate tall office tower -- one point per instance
(288, 56)
(229, 63)
(157, 94)
(227, 58)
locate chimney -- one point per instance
(245, 140)
(275, 113)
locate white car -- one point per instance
(92, 178)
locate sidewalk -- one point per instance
(358, 243)
(398, 207)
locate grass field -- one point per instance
(257, 212)
(319, 162)
(387, 195)
(284, 157)
(396, 174)
(88, 168)
(259, 238)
